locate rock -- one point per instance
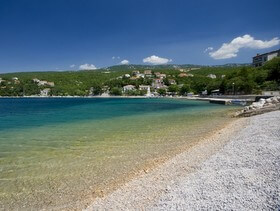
(274, 100)
(262, 101)
(269, 100)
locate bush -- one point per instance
(116, 91)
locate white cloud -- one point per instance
(208, 49)
(156, 60)
(72, 65)
(230, 50)
(124, 61)
(87, 67)
(115, 57)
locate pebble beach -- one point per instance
(237, 168)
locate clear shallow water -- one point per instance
(61, 153)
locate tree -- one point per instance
(173, 88)
(166, 81)
(161, 91)
(273, 67)
(185, 89)
(97, 90)
(115, 91)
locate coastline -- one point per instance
(178, 183)
(152, 175)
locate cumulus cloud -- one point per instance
(124, 61)
(230, 50)
(87, 67)
(72, 65)
(208, 49)
(156, 60)
(115, 57)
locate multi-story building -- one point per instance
(260, 59)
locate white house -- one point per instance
(43, 83)
(128, 88)
(45, 92)
(213, 76)
(144, 87)
(148, 72)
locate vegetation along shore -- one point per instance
(143, 80)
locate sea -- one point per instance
(62, 153)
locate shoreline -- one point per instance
(162, 188)
(153, 168)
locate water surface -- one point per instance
(61, 153)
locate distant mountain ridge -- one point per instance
(167, 66)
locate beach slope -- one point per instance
(238, 168)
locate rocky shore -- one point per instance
(260, 107)
(238, 168)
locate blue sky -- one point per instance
(55, 34)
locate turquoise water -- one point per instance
(61, 153)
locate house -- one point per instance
(162, 76)
(43, 83)
(213, 76)
(135, 72)
(134, 78)
(127, 75)
(35, 80)
(181, 75)
(144, 87)
(50, 84)
(128, 88)
(158, 83)
(45, 92)
(140, 75)
(1, 80)
(157, 74)
(172, 81)
(15, 78)
(148, 72)
(260, 59)
(189, 75)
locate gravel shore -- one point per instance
(238, 168)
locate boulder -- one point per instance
(274, 100)
(268, 100)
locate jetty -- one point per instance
(227, 100)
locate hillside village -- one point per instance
(155, 83)
(145, 82)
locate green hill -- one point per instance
(195, 78)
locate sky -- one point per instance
(39, 35)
